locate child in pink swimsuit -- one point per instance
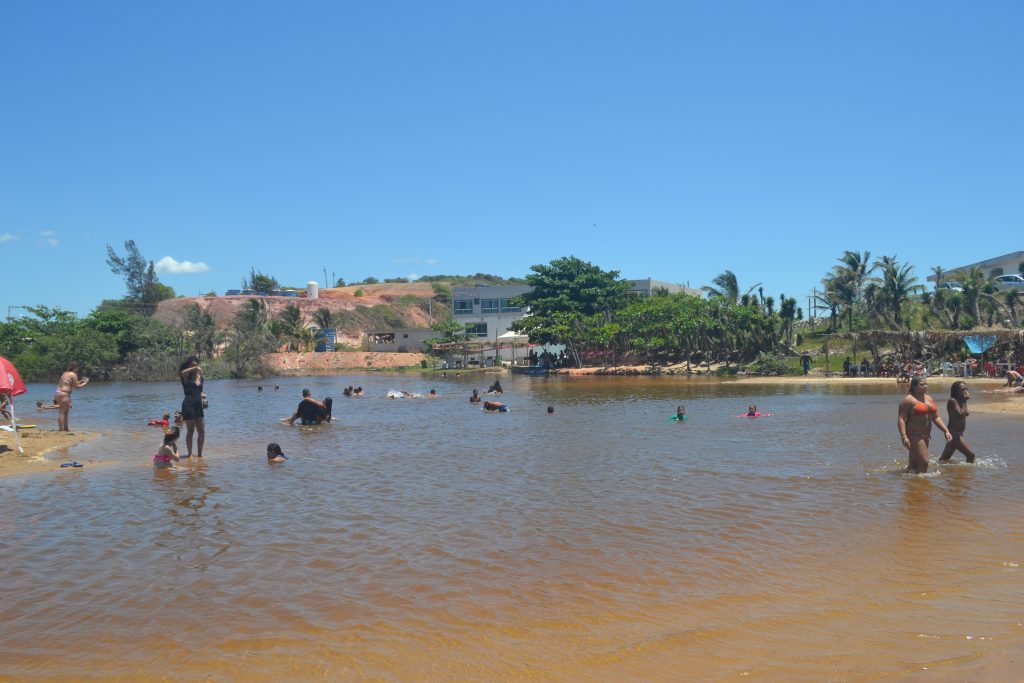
(168, 451)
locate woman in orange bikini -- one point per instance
(917, 412)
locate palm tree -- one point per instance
(854, 272)
(323, 317)
(898, 284)
(290, 326)
(938, 272)
(727, 287)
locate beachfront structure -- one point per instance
(1007, 264)
(487, 312)
(649, 286)
(408, 340)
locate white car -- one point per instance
(1008, 282)
(951, 285)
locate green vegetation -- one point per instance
(261, 283)
(144, 288)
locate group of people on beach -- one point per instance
(917, 413)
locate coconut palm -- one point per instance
(289, 326)
(727, 287)
(323, 318)
(854, 271)
(898, 283)
(938, 272)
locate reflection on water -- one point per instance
(425, 539)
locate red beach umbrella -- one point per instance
(12, 385)
(10, 380)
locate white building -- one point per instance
(1000, 265)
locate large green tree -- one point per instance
(571, 302)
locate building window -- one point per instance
(464, 307)
(476, 329)
(488, 305)
(507, 307)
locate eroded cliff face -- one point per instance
(376, 307)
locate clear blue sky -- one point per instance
(664, 139)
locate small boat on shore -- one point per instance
(529, 370)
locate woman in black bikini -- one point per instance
(191, 376)
(957, 407)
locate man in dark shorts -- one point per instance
(310, 411)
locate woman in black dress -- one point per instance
(191, 376)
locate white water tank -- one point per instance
(312, 291)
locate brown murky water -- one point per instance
(426, 540)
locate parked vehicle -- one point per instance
(1008, 282)
(952, 285)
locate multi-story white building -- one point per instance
(1006, 264)
(487, 312)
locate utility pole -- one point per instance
(325, 277)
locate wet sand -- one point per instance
(45, 450)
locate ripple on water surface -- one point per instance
(424, 538)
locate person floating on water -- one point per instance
(475, 398)
(275, 454)
(917, 412)
(495, 407)
(957, 422)
(168, 451)
(311, 411)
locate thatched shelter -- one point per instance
(931, 343)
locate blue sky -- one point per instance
(662, 139)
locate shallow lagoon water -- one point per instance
(427, 540)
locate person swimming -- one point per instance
(475, 397)
(680, 413)
(495, 407)
(164, 422)
(752, 411)
(275, 454)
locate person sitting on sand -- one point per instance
(275, 454)
(168, 451)
(1014, 377)
(495, 407)
(475, 398)
(957, 422)
(179, 419)
(311, 411)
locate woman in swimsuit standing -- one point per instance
(917, 412)
(62, 396)
(191, 376)
(957, 406)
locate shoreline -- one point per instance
(39, 444)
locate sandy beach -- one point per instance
(44, 450)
